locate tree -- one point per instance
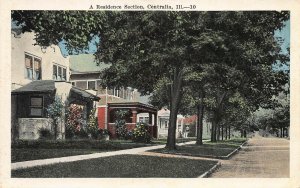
(174, 44)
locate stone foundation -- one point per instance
(29, 128)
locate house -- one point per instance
(38, 75)
(162, 122)
(86, 75)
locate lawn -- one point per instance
(18, 155)
(121, 166)
(209, 149)
(43, 149)
(178, 140)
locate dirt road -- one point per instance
(260, 158)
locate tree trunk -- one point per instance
(55, 128)
(229, 132)
(175, 93)
(200, 113)
(222, 131)
(214, 130)
(226, 130)
(218, 132)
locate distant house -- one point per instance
(162, 122)
(38, 75)
(86, 74)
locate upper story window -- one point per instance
(33, 66)
(59, 73)
(91, 85)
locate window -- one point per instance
(116, 92)
(81, 84)
(36, 107)
(92, 85)
(33, 66)
(59, 73)
(86, 84)
(166, 123)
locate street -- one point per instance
(260, 158)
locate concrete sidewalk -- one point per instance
(40, 162)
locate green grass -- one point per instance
(18, 155)
(43, 149)
(209, 149)
(178, 140)
(121, 166)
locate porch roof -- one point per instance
(39, 86)
(133, 105)
(84, 94)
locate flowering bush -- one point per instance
(74, 120)
(141, 134)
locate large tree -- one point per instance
(149, 48)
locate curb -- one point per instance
(234, 152)
(210, 171)
(208, 156)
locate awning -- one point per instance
(79, 93)
(40, 86)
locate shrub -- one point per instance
(129, 135)
(81, 134)
(74, 120)
(121, 130)
(92, 125)
(45, 133)
(55, 111)
(141, 134)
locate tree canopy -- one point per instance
(165, 52)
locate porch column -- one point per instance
(134, 113)
(107, 117)
(150, 119)
(155, 119)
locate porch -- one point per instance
(134, 108)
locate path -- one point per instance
(260, 158)
(40, 162)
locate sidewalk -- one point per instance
(40, 162)
(260, 158)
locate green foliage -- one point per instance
(45, 133)
(141, 134)
(121, 130)
(92, 125)
(220, 52)
(55, 111)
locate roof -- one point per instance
(137, 105)
(40, 86)
(84, 94)
(85, 63)
(190, 119)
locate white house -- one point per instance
(38, 74)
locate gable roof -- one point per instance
(85, 63)
(39, 86)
